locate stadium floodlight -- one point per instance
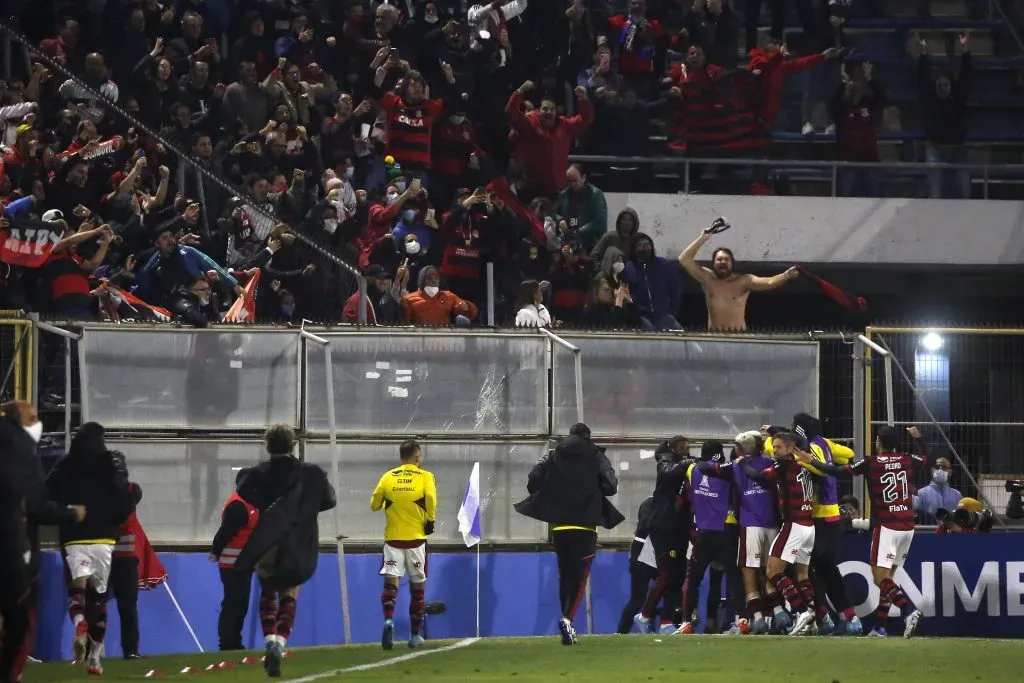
(931, 342)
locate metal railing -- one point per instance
(989, 172)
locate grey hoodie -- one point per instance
(616, 238)
(611, 254)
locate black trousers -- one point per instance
(574, 550)
(640, 577)
(124, 584)
(670, 553)
(16, 617)
(233, 608)
(717, 547)
(825, 574)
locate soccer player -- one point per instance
(87, 476)
(640, 574)
(284, 546)
(408, 496)
(828, 532)
(795, 541)
(669, 530)
(568, 489)
(889, 476)
(758, 515)
(711, 498)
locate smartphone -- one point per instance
(394, 53)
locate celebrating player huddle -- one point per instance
(774, 511)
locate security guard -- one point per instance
(238, 519)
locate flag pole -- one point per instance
(478, 590)
(181, 613)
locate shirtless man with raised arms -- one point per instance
(726, 292)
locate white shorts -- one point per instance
(794, 543)
(402, 561)
(755, 545)
(890, 547)
(91, 562)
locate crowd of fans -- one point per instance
(417, 141)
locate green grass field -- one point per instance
(711, 659)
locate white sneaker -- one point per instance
(912, 620)
(685, 629)
(808, 129)
(803, 622)
(830, 129)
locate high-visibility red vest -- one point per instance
(234, 547)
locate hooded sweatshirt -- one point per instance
(611, 255)
(87, 476)
(616, 238)
(654, 284)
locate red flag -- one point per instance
(151, 569)
(244, 308)
(29, 246)
(840, 296)
(120, 304)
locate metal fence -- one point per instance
(188, 407)
(964, 387)
(16, 357)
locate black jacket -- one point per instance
(569, 485)
(87, 476)
(643, 518)
(15, 474)
(286, 541)
(665, 518)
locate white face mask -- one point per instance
(431, 291)
(330, 225)
(430, 18)
(618, 267)
(412, 247)
(940, 477)
(457, 120)
(204, 301)
(35, 431)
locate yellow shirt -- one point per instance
(409, 498)
(840, 456)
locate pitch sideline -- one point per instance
(384, 662)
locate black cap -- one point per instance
(375, 270)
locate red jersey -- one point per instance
(889, 477)
(796, 490)
(409, 129)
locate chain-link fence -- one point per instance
(964, 388)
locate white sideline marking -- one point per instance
(384, 662)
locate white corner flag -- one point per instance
(469, 511)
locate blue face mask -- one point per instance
(392, 198)
(408, 215)
(349, 172)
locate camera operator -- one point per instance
(970, 516)
(1015, 508)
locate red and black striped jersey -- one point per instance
(409, 129)
(796, 490)
(889, 477)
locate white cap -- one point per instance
(53, 215)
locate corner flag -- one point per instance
(469, 511)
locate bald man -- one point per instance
(23, 507)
